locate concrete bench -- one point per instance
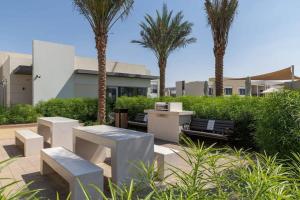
(164, 156)
(73, 169)
(31, 142)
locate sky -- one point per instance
(264, 37)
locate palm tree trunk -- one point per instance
(101, 42)
(219, 73)
(162, 74)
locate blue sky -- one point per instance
(265, 35)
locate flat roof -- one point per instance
(116, 74)
(23, 70)
(27, 70)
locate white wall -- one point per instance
(87, 85)
(54, 63)
(195, 88)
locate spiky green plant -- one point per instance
(10, 191)
(163, 35)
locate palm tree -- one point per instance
(163, 35)
(102, 15)
(220, 15)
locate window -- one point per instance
(154, 89)
(210, 91)
(228, 90)
(242, 91)
(132, 91)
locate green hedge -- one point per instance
(83, 109)
(271, 123)
(277, 124)
(241, 110)
(18, 114)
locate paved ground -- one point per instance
(26, 169)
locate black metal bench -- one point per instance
(140, 120)
(216, 129)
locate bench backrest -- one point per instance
(219, 126)
(141, 117)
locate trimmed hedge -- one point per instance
(271, 123)
(82, 109)
(18, 114)
(241, 110)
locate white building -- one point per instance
(53, 71)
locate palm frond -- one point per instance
(103, 14)
(220, 15)
(165, 33)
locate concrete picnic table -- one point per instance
(128, 149)
(57, 131)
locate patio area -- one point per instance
(27, 169)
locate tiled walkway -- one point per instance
(27, 169)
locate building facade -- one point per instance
(53, 71)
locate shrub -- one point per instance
(135, 104)
(278, 125)
(241, 110)
(216, 174)
(18, 114)
(83, 109)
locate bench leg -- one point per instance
(86, 181)
(160, 162)
(45, 168)
(19, 143)
(33, 147)
(163, 165)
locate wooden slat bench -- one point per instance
(73, 169)
(139, 120)
(216, 129)
(31, 142)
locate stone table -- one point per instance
(128, 149)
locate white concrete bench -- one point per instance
(31, 142)
(164, 157)
(73, 169)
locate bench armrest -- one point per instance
(186, 126)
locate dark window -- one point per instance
(210, 91)
(242, 91)
(154, 89)
(228, 91)
(132, 91)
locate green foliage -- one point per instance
(241, 110)
(9, 192)
(217, 174)
(165, 33)
(83, 109)
(278, 125)
(18, 114)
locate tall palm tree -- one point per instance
(163, 35)
(102, 15)
(220, 15)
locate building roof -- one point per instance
(116, 74)
(27, 70)
(80, 63)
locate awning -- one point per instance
(283, 74)
(116, 74)
(27, 70)
(23, 70)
